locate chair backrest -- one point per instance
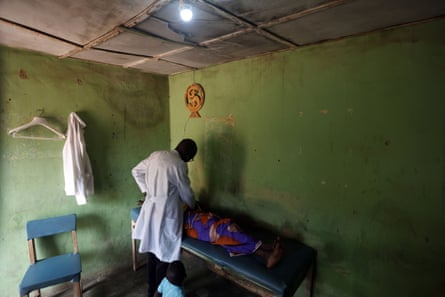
(48, 227)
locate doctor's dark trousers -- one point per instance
(157, 270)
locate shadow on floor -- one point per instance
(200, 282)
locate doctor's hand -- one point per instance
(141, 201)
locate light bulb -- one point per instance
(186, 13)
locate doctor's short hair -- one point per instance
(187, 149)
(176, 273)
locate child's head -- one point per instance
(176, 273)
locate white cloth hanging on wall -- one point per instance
(77, 170)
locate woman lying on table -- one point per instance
(207, 226)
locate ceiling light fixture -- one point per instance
(185, 11)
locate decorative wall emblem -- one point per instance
(194, 99)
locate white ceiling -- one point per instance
(149, 35)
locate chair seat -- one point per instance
(134, 213)
(51, 271)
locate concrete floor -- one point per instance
(200, 282)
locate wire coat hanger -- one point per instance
(36, 121)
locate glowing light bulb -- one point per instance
(186, 13)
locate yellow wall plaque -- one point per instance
(194, 99)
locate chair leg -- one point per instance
(77, 291)
(133, 247)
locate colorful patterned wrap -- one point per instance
(208, 227)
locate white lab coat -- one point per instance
(164, 177)
(77, 170)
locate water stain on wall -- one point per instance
(140, 109)
(224, 156)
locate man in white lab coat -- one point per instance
(163, 177)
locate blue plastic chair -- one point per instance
(53, 270)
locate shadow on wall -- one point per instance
(97, 143)
(223, 164)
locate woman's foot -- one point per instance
(275, 256)
(276, 242)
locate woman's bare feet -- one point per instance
(276, 241)
(270, 246)
(275, 256)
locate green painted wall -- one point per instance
(127, 117)
(340, 144)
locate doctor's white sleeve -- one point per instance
(139, 173)
(185, 190)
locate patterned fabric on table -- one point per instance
(207, 226)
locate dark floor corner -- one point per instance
(200, 282)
